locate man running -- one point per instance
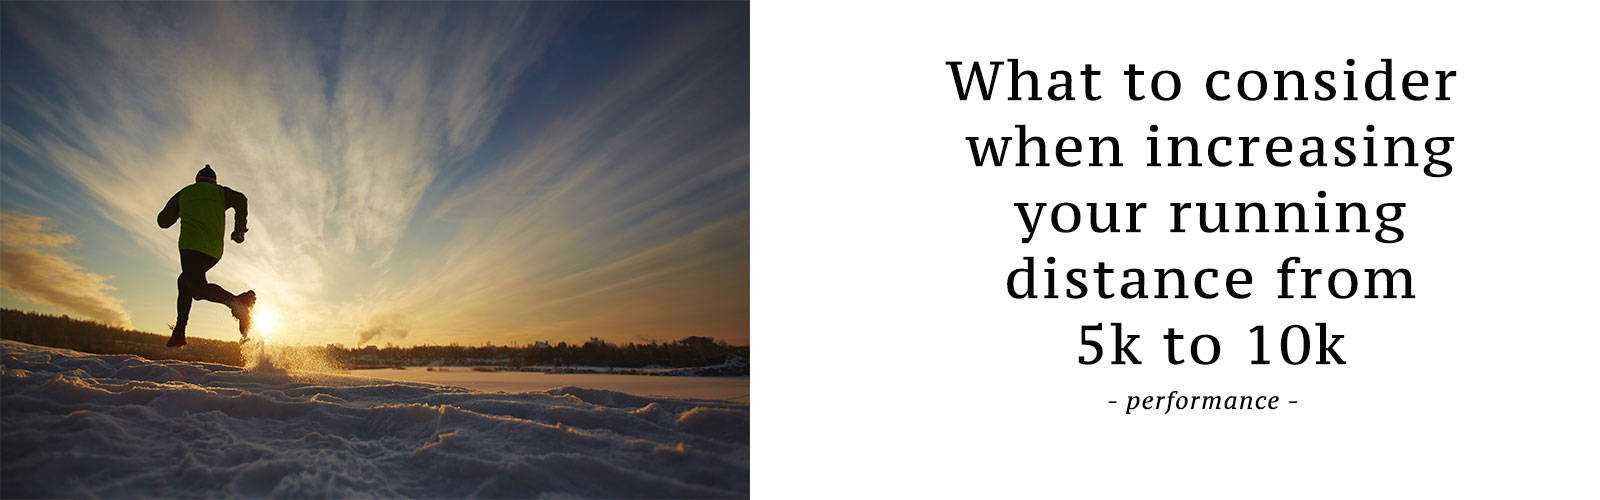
(201, 206)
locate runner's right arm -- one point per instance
(169, 214)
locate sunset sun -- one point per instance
(264, 320)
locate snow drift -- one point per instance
(83, 425)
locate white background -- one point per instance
(890, 362)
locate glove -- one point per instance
(238, 236)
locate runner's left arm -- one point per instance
(241, 210)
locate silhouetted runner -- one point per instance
(201, 206)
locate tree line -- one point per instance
(92, 337)
(97, 338)
(684, 353)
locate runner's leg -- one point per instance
(193, 279)
(184, 301)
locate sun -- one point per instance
(263, 320)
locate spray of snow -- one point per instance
(81, 425)
(263, 357)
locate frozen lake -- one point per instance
(735, 389)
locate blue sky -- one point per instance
(417, 173)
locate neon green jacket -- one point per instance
(201, 206)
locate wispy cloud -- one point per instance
(365, 138)
(625, 214)
(31, 267)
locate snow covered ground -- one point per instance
(83, 425)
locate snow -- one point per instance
(85, 425)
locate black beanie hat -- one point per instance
(206, 174)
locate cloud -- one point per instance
(626, 216)
(382, 326)
(30, 267)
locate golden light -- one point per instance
(263, 320)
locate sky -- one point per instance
(417, 173)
